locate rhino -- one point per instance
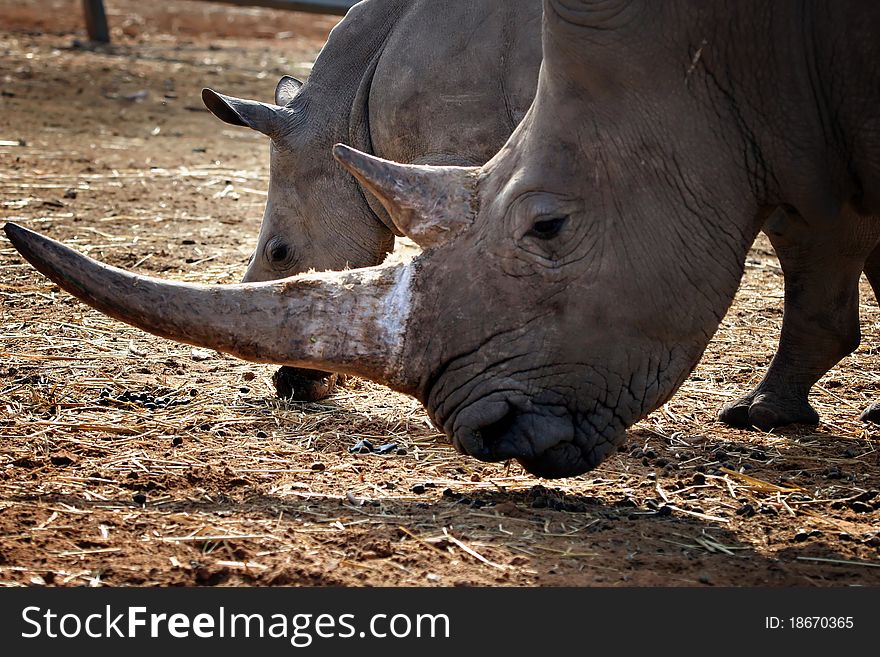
(418, 81)
(567, 287)
(455, 102)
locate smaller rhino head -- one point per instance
(316, 216)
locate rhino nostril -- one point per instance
(493, 433)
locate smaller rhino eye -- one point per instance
(277, 252)
(547, 228)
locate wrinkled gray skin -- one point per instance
(570, 285)
(423, 81)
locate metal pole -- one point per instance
(96, 21)
(338, 7)
(96, 17)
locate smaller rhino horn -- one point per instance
(428, 204)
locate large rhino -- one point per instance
(455, 99)
(568, 286)
(417, 81)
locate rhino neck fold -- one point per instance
(351, 321)
(360, 137)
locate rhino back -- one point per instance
(454, 79)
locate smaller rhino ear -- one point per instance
(262, 117)
(287, 88)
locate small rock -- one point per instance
(699, 479)
(418, 489)
(363, 446)
(200, 354)
(801, 536)
(746, 510)
(62, 459)
(177, 441)
(139, 498)
(664, 510)
(248, 376)
(318, 467)
(867, 496)
(860, 507)
(833, 473)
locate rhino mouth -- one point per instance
(548, 440)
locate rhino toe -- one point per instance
(736, 414)
(871, 414)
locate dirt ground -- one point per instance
(130, 460)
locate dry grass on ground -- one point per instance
(129, 460)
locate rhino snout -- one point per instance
(497, 429)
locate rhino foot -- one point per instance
(871, 414)
(765, 411)
(297, 384)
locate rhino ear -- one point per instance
(287, 88)
(428, 204)
(262, 117)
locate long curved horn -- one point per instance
(349, 321)
(428, 204)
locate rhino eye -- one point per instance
(547, 228)
(277, 252)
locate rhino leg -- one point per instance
(872, 273)
(820, 324)
(299, 384)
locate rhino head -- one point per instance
(565, 289)
(302, 228)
